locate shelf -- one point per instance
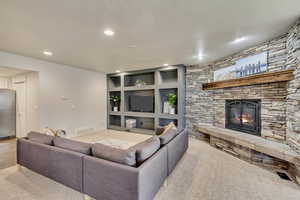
(168, 76)
(139, 114)
(164, 122)
(143, 131)
(168, 116)
(114, 127)
(114, 113)
(135, 88)
(163, 93)
(142, 123)
(139, 101)
(110, 106)
(115, 120)
(145, 77)
(118, 89)
(268, 77)
(168, 86)
(114, 82)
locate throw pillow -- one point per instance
(169, 133)
(146, 149)
(122, 156)
(40, 138)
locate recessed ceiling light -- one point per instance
(238, 40)
(166, 64)
(47, 53)
(200, 56)
(118, 71)
(109, 32)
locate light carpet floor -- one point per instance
(204, 173)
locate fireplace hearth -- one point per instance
(243, 115)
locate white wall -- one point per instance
(4, 82)
(69, 98)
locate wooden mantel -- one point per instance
(267, 77)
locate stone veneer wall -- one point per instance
(209, 106)
(199, 107)
(280, 101)
(293, 99)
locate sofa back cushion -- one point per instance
(169, 133)
(80, 147)
(40, 138)
(122, 156)
(146, 149)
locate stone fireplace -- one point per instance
(243, 115)
(270, 113)
(276, 119)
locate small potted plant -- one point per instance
(115, 102)
(172, 101)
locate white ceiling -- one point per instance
(10, 72)
(148, 33)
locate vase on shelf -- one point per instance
(172, 111)
(172, 101)
(115, 109)
(167, 108)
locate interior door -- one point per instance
(20, 87)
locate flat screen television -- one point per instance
(141, 103)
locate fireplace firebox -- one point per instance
(243, 115)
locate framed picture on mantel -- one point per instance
(244, 67)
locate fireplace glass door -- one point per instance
(243, 115)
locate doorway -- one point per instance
(20, 88)
(27, 108)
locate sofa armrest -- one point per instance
(152, 174)
(176, 149)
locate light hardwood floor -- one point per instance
(204, 173)
(7, 153)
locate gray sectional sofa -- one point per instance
(74, 164)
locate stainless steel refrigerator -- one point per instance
(7, 113)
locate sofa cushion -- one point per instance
(122, 156)
(169, 133)
(40, 138)
(146, 149)
(80, 147)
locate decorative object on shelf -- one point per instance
(115, 102)
(166, 108)
(172, 101)
(140, 83)
(244, 67)
(58, 132)
(131, 123)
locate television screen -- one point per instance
(141, 103)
